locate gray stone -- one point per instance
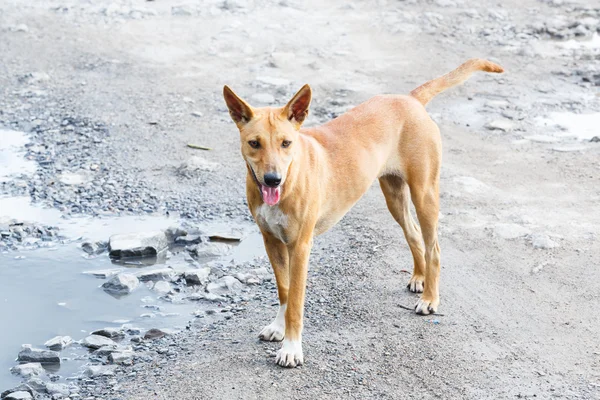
(510, 231)
(249, 279)
(269, 80)
(197, 277)
(58, 343)
(37, 384)
(111, 333)
(500, 125)
(29, 354)
(57, 389)
(195, 164)
(541, 241)
(209, 250)
(121, 358)
(162, 274)
(106, 351)
(21, 388)
(121, 284)
(154, 333)
(162, 287)
(225, 285)
(94, 371)
(96, 342)
(28, 370)
(188, 239)
(21, 395)
(263, 98)
(93, 248)
(173, 232)
(103, 273)
(142, 244)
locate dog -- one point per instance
(301, 181)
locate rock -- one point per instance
(541, 241)
(263, 98)
(197, 114)
(225, 285)
(37, 384)
(94, 248)
(162, 274)
(154, 333)
(19, 28)
(195, 164)
(249, 279)
(121, 358)
(269, 80)
(94, 371)
(162, 287)
(21, 388)
(21, 395)
(188, 239)
(197, 277)
(29, 354)
(58, 389)
(181, 11)
(106, 351)
(510, 231)
(58, 343)
(595, 139)
(174, 232)
(282, 59)
(96, 342)
(500, 125)
(209, 250)
(111, 333)
(121, 284)
(103, 273)
(143, 244)
(28, 370)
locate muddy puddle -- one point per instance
(48, 290)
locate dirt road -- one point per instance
(520, 188)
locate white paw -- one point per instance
(275, 331)
(416, 283)
(426, 307)
(290, 355)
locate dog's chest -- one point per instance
(272, 219)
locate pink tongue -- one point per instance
(270, 194)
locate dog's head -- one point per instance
(269, 138)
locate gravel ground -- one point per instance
(112, 92)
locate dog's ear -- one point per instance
(240, 111)
(297, 108)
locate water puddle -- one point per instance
(46, 293)
(12, 161)
(569, 125)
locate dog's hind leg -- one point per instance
(279, 257)
(425, 197)
(397, 197)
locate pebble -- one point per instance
(500, 125)
(197, 277)
(58, 343)
(21, 395)
(94, 371)
(154, 333)
(541, 241)
(28, 370)
(97, 341)
(121, 284)
(225, 285)
(111, 333)
(141, 244)
(29, 354)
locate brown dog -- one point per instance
(301, 182)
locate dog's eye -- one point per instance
(286, 143)
(254, 144)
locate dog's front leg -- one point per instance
(279, 257)
(290, 353)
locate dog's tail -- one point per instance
(429, 90)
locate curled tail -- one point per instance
(429, 90)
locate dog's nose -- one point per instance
(272, 179)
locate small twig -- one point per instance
(197, 147)
(413, 309)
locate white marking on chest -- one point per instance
(272, 219)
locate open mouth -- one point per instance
(270, 195)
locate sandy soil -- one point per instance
(519, 231)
